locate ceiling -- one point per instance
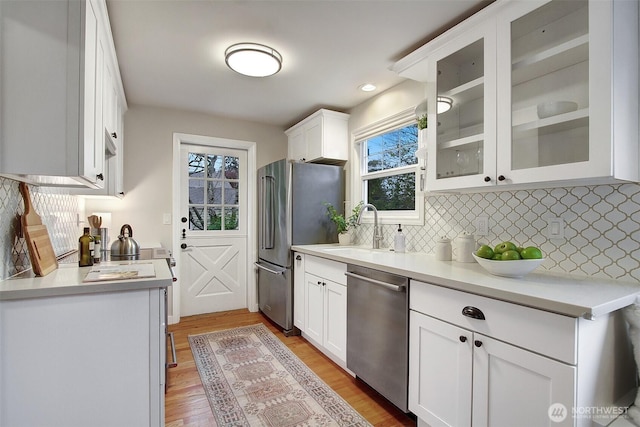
(171, 52)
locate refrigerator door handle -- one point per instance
(268, 212)
(262, 267)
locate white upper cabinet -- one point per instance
(53, 91)
(322, 137)
(540, 95)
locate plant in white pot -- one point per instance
(344, 225)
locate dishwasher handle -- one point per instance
(396, 288)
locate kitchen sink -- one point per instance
(352, 249)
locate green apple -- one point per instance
(485, 251)
(510, 255)
(531, 252)
(504, 246)
(497, 257)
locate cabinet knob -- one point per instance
(487, 178)
(319, 282)
(183, 219)
(298, 257)
(100, 177)
(114, 135)
(501, 178)
(463, 338)
(121, 193)
(183, 246)
(477, 343)
(473, 312)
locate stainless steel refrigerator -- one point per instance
(292, 211)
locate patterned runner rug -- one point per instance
(252, 379)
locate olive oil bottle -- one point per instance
(85, 248)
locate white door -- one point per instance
(335, 325)
(512, 386)
(213, 228)
(440, 383)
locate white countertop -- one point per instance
(563, 294)
(67, 279)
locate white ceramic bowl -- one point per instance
(553, 108)
(510, 268)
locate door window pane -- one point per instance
(214, 188)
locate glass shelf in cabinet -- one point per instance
(553, 59)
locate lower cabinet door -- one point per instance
(335, 339)
(512, 386)
(440, 363)
(314, 308)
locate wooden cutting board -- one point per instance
(43, 258)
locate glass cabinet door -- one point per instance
(461, 111)
(547, 90)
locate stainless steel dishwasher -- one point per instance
(378, 331)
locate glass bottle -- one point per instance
(85, 248)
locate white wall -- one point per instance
(148, 139)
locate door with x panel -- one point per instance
(213, 229)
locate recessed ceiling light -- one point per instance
(368, 87)
(253, 59)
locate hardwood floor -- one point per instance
(187, 405)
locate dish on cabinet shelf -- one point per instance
(554, 108)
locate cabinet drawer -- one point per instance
(540, 331)
(326, 268)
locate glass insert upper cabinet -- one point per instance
(461, 110)
(545, 132)
(540, 93)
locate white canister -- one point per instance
(465, 246)
(443, 249)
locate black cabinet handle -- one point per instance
(501, 178)
(477, 343)
(100, 177)
(121, 193)
(114, 135)
(463, 338)
(487, 178)
(183, 219)
(183, 246)
(298, 257)
(319, 282)
(473, 312)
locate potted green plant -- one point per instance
(344, 225)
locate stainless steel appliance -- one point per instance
(378, 331)
(291, 211)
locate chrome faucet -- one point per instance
(377, 236)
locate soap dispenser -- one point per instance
(399, 241)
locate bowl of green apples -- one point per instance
(508, 260)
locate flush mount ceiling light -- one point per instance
(253, 59)
(368, 87)
(443, 104)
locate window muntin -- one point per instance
(388, 171)
(213, 192)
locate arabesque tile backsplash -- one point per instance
(58, 211)
(601, 233)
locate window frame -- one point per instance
(405, 217)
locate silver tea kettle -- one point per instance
(125, 248)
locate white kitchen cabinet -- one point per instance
(503, 364)
(498, 66)
(51, 92)
(326, 307)
(95, 359)
(298, 291)
(109, 125)
(322, 137)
